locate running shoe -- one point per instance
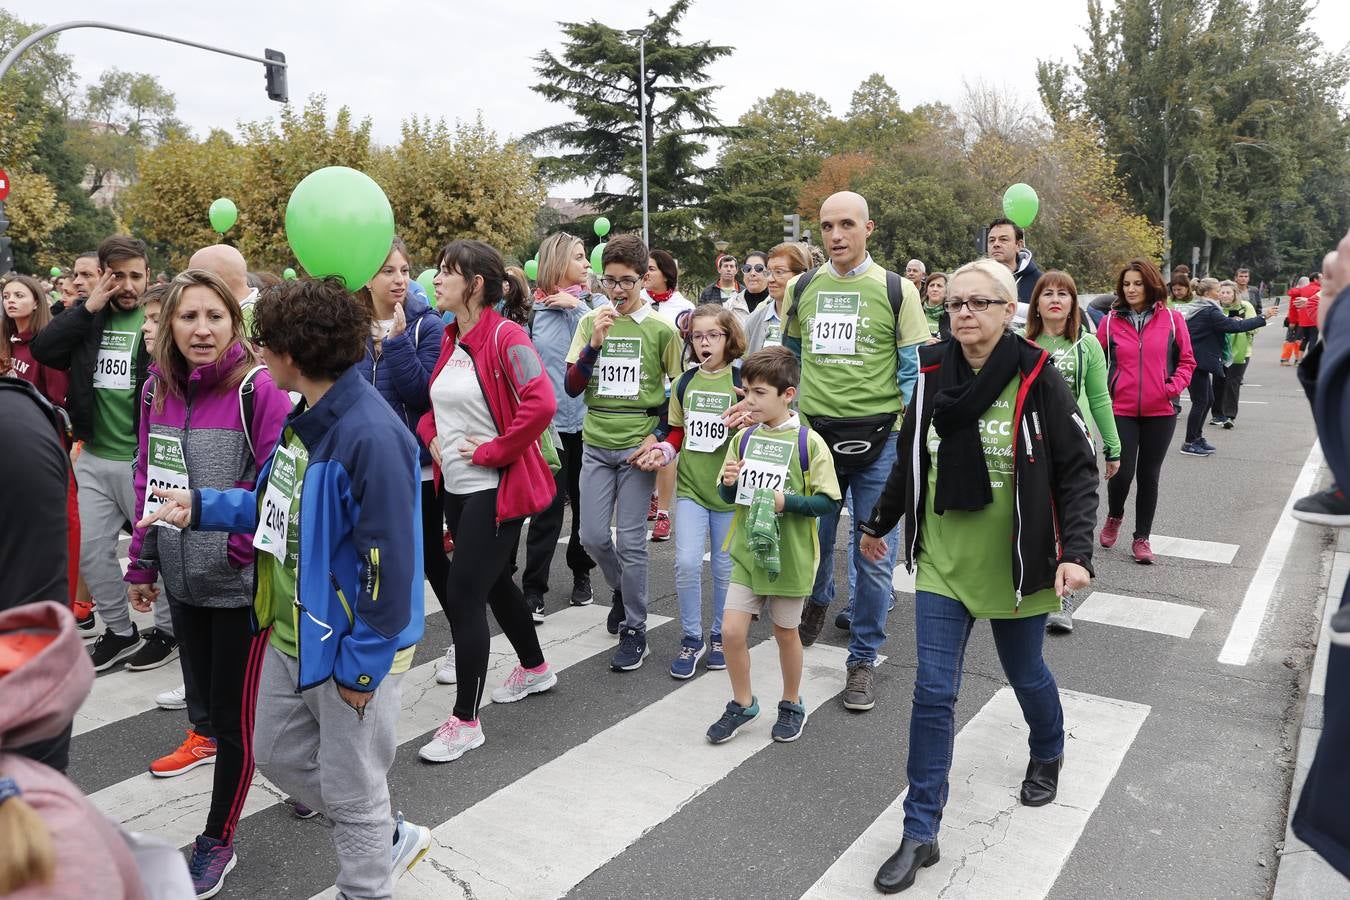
(616, 613)
(791, 720)
(1110, 531)
(632, 650)
(843, 621)
(733, 720)
(1061, 622)
(1207, 445)
(1229, 423)
(522, 682)
(196, 750)
(1220, 421)
(1195, 448)
(212, 860)
(300, 810)
(813, 620)
(174, 698)
(582, 595)
(1143, 553)
(535, 603)
(1329, 507)
(691, 651)
(445, 672)
(84, 616)
(717, 660)
(110, 649)
(452, 740)
(859, 694)
(158, 648)
(652, 510)
(661, 530)
(411, 843)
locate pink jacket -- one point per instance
(38, 699)
(1146, 370)
(520, 396)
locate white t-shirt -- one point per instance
(461, 411)
(672, 310)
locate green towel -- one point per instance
(762, 532)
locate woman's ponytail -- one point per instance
(27, 856)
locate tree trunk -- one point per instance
(1167, 216)
(1204, 254)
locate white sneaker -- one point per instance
(411, 843)
(445, 672)
(451, 741)
(174, 699)
(522, 682)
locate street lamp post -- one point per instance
(641, 35)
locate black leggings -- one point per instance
(434, 561)
(1143, 447)
(542, 538)
(480, 575)
(1227, 390)
(1201, 391)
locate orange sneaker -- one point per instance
(84, 615)
(196, 751)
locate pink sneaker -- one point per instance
(661, 530)
(1143, 553)
(1111, 531)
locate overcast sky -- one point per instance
(390, 60)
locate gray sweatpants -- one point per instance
(107, 498)
(315, 748)
(611, 488)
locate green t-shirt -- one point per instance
(849, 341)
(1240, 344)
(705, 436)
(968, 555)
(640, 352)
(284, 482)
(798, 537)
(114, 435)
(1083, 366)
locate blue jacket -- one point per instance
(360, 503)
(1208, 324)
(402, 374)
(552, 330)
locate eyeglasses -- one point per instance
(258, 343)
(757, 267)
(976, 304)
(781, 273)
(627, 283)
(699, 337)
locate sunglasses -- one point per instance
(757, 267)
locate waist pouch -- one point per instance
(855, 443)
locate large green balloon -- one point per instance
(428, 282)
(597, 255)
(1021, 204)
(223, 214)
(339, 222)
(288, 273)
(532, 269)
(56, 271)
(601, 227)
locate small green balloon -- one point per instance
(1021, 204)
(339, 222)
(223, 214)
(288, 274)
(597, 259)
(601, 227)
(428, 282)
(532, 269)
(56, 271)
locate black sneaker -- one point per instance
(843, 621)
(1229, 423)
(733, 719)
(791, 721)
(535, 602)
(813, 619)
(858, 693)
(158, 649)
(582, 595)
(1340, 627)
(110, 649)
(1328, 507)
(616, 613)
(632, 651)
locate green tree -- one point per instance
(124, 114)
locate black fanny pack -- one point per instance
(855, 442)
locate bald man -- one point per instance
(228, 264)
(860, 362)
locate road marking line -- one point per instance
(1189, 548)
(992, 846)
(1340, 571)
(1254, 402)
(1139, 613)
(1237, 650)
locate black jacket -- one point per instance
(1054, 472)
(1208, 324)
(70, 343)
(33, 542)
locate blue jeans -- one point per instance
(693, 525)
(942, 627)
(872, 595)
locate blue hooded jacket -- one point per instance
(402, 374)
(551, 330)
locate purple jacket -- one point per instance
(203, 568)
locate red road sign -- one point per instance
(4, 185)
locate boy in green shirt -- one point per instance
(780, 461)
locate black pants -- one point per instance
(542, 539)
(434, 561)
(53, 752)
(224, 658)
(1227, 390)
(1307, 336)
(480, 575)
(1201, 391)
(1143, 447)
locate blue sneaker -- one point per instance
(212, 860)
(1194, 449)
(725, 728)
(632, 650)
(411, 843)
(791, 720)
(1207, 445)
(691, 651)
(614, 621)
(717, 660)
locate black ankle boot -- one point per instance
(897, 873)
(1042, 782)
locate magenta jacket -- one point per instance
(520, 395)
(206, 568)
(1146, 369)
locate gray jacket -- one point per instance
(552, 330)
(757, 325)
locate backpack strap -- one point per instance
(798, 290)
(895, 292)
(246, 392)
(682, 384)
(804, 455)
(745, 438)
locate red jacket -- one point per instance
(51, 382)
(520, 396)
(1146, 371)
(1308, 314)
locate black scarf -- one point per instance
(963, 396)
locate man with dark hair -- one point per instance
(99, 343)
(1252, 295)
(1006, 243)
(726, 285)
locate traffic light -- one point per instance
(792, 228)
(276, 77)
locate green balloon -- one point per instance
(428, 282)
(223, 214)
(1021, 204)
(288, 274)
(339, 222)
(532, 269)
(597, 256)
(601, 227)
(56, 271)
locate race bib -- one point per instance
(835, 328)
(274, 519)
(620, 368)
(165, 469)
(704, 429)
(773, 335)
(766, 466)
(112, 370)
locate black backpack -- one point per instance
(895, 289)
